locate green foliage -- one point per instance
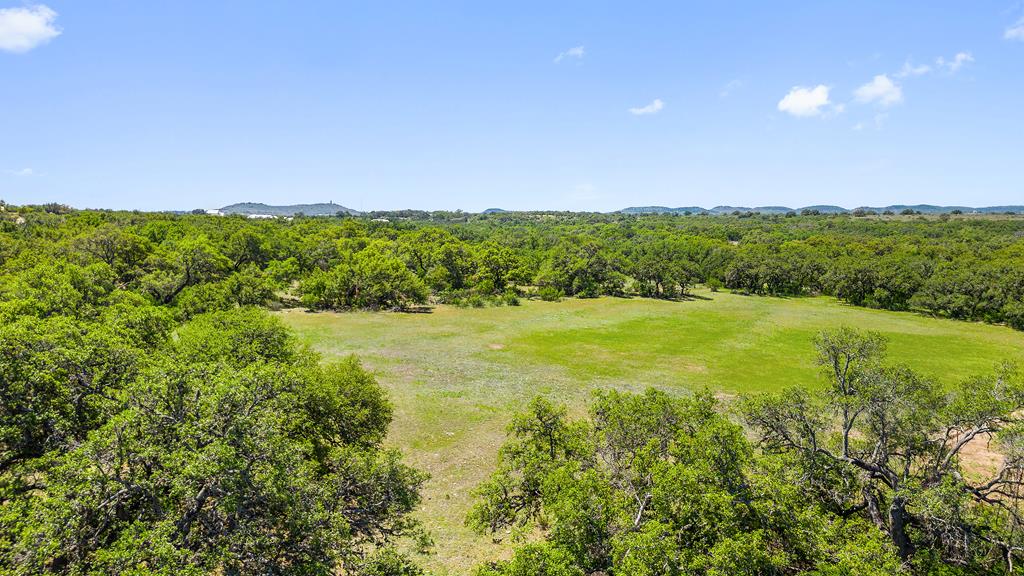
(534, 560)
(550, 294)
(223, 449)
(131, 443)
(651, 484)
(372, 278)
(499, 269)
(583, 267)
(661, 269)
(892, 452)
(57, 288)
(964, 268)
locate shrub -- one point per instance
(510, 298)
(550, 294)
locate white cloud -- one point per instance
(952, 66)
(956, 63)
(881, 90)
(804, 102)
(576, 52)
(21, 172)
(1015, 32)
(911, 70)
(652, 108)
(22, 29)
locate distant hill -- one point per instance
(249, 208)
(663, 210)
(772, 209)
(1001, 209)
(493, 211)
(822, 208)
(825, 209)
(922, 208)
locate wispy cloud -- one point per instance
(20, 172)
(652, 108)
(880, 90)
(1016, 31)
(878, 122)
(22, 29)
(729, 88)
(951, 65)
(805, 102)
(912, 70)
(576, 53)
(956, 63)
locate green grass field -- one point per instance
(456, 375)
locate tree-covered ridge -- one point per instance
(969, 268)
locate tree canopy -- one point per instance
(967, 267)
(224, 446)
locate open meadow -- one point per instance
(455, 375)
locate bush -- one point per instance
(550, 294)
(388, 562)
(371, 279)
(509, 298)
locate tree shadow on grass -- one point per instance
(424, 309)
(691, 297)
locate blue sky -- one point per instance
(519, 105)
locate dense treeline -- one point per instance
(969, 268)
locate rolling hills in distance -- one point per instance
(256, 208)
(332, 209)
(823, 209)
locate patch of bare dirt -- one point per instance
(979, 457)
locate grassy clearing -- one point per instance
(456, 375)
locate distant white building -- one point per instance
(214, 212)
(261, 216)
(380, 220)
